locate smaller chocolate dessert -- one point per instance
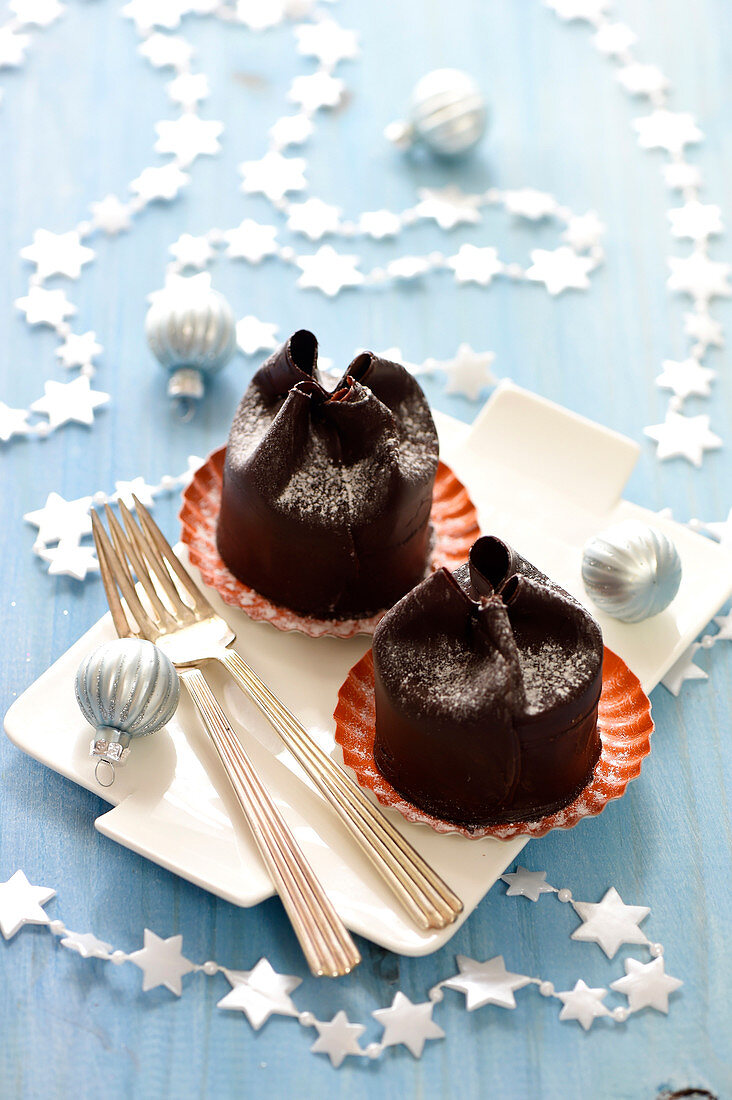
(326, 500)
(487, 687)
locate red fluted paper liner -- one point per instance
(454, 520)
(624, 720)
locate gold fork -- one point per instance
(328, 947)
(191, 633)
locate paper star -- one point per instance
(408, 267)
(65, 401)
(162, 182)
(79, 349)
(123, 490)
(39, 13)
(12, 422)
(20, 903)
(646, 985)
(468, 373)
(696, 220)
(379, 224)
(251, 241)
(87, 945)
(407, 1023)
(641, 79)
(273, 175)
(583, 1004)
(669, 130)
(166, 51)
(147, 14)
(699, 276)
(192, 251)
(314, 218)
(188, 137)
(724, 622)
(327, 41)
(328, 270)
(337, 1038)
(12, 48)
(584, 231)
(685, 378)
(68, 559)
(316, 90)
(59, 519)
(45, 307)
(188, 89)
(111, 215)
(161, 962)
(260, 993)
(527, 884)
(684, 669)
(704, 329)
(591, 11)
(610, 922)
(258, 15)
(687, 436)
(614, 39)
(528, 203)
(486, 983)
(290, 130)
(475, 265)
(679, 175)
(253, 335)
(448, 206)
(560, 269)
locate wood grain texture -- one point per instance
(76, 123)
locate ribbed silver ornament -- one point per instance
(191, 335)
(631, 571)
(447, 113)
(125, 688)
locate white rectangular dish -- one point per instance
(543, 479)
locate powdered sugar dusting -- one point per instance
(550, 672)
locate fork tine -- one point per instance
(121, 623)
(157, 537)
(126, 541)
(181, 610)
(124, 580)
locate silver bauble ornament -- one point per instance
(193, 334)
(447, 113)
(631, 571)
(125, 689)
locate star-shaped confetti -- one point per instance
(316, 90)
(583, 231)
(12, 422)
(166, 50)
(448, 206)
(408, 1023)
(475, 265)
(722, 532)
(337, 1038)
(610, 922)
(12, 48)
(684, 669)
(273, 175)
(531, 204)
(469, 372)
(87, 945)
(69, 559)
(20, 903)
(686, 378)
(646, 985)
(314, 218)
(188, 89)
(111, 215)
(253, 335)
(684, 436)
(182, 287)
(696, 220)
(66, 401)
(328, 270)
(45, 307)
(699, 276)
(290, 130)
(704, 329)
(327, 41)
(162, 962)
(680, 175)
(57, 253)
(188, 137)
(724, 622)
(590, 11)
(379, 224)
(614, 39)
(38, 13)
(137, 487)
(669, 130)
(251, 241)
(560, 269)
(583, 1004)
(527, 884)
(192, 251)
(78, 349)
(258, 15)
(486, 983)
(641, 79)
(408, 267)
(260, 993)
(59, 519)
(160, 182)
(147, 14)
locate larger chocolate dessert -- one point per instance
(326, 497)
(487, 687)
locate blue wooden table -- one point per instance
(77, 123)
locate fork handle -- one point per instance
(327, 945)
(428, 899)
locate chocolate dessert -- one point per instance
(487, 685)
(326, 496)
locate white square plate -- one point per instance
(543, 479)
